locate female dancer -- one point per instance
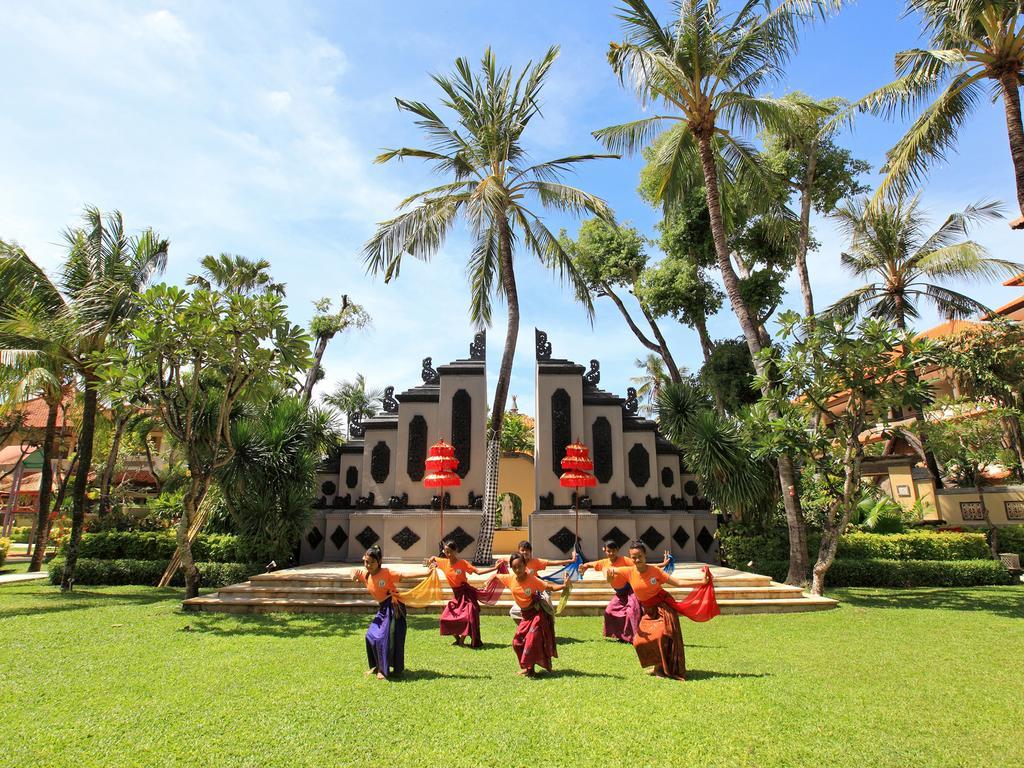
(659, 640)
(385, 638)
(534, 565)
(461, 617)
(534, 640)
(622, 616)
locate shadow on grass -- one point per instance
(1007, 601)
(55, 601)
(280, 625)
(708, 674)
(430, 674)
(563, 672)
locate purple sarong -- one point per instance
(622, 616)
(385, 639)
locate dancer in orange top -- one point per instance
(622, 615)
(461, 617)
(534, 640)
(659, 640)
(534, 565)
(385, 638)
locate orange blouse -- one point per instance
(536, 565)
(455, 573)
(620, 578)
(380, 585)
(647, 584)
(523, 591)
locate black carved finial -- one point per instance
(543, 345)
(593, 376)
(429, 374)
(355, 425)
(388, 402)
(478, 349)
(632, 405)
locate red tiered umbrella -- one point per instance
(441, 465)
(577, 466)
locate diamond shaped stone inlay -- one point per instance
(616, 536)
(405, 538)
(680, 537)
(564, 539)
(314, 537)
(367, 537)
(651, 538)
(460, 538)
(705, 538)
(339, 537)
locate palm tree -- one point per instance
(355, 401)
(650, 383)
(99, 282)
(975, 49)
(705, 70)
(905, 265)
(490, 182)
(236, 274)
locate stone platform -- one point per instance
(329, 588)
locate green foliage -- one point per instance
(729, 373)
(157, 545)
(965, 446)
(517, 434)
(232, 273)
(5, 547)
(880, 515)
(20, 534)
(354, 399)
(606, 254)
(95, 572)
(1011, 539)
(901, 573)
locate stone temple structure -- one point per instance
(372, 491)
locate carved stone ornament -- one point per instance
(380, 462)
(355, 425)
(593, 376)
(462, 431)
(416, 453)
(603, 466)
(542, 344)
(632, 405)
(561, 427)
(388, 402)
(478, 349)
(429, 375)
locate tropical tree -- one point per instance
(324, 326)
(650, 382)
(99, 285)
(891, 246)
(354, 401)
(705, 69)
(974, 48)
(235, 274)
(490, 181)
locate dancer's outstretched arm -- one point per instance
(676, 582)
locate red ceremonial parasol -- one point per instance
(440, 464)
(577, 464)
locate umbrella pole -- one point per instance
(577, 521)
(441, 539)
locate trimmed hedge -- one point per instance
(1010, 538)
(156, 545)
(94, 572)
(5, 545)
(900, 573)
(740, 545)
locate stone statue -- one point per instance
(507, 509)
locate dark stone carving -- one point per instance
(690, 486)
(459, 538)
(328, 488)
(705, 538)
(561, 427)
(639, 462)
(462, 430)
(678, 502)
(341, 502)
(621, 501)
(417, 451)
(355, 425)
(339, 537)
(668, 477)
(564, 539)
(319, 503)
(476, 502)
(593, 376)
(435, 501)
(680, 537)
(632, 405)
(405, 538)
(380, 462)
(388, 402)
(616, 536)
(351, 477)
(654, 502)
(365, 502)
(699, 502)
(543, 346)
(399, 502)
(651, 538)
(367, 537)
(547, 501)
(602, 438)
(314, 537)
(428, 374)
(584, 501)
(478, 349)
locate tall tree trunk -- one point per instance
(836, 519)
(670, 363)
(86, 433)
(1015, 130)
(706, 345)
(45, 486)
(314, 368)
(493, 439)
(190, 505)
(661, 350)
(786, 467)
(805, 233)
(120, 423)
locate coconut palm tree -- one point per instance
(906, 265)
(975, 48)
(355, 401)
(489, 182)
(236, 274)
(705, 69)
(651, 381)
(99, 281)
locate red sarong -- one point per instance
(461, 617)
(622, 615)
(534, 640)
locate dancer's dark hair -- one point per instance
(516, 556)
(524, 544)
(375, 553)
(638, 545)
(611, 544)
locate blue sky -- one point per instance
(250, 128)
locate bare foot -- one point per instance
(381, 676)
(525, 672)
(369, 672)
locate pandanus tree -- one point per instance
(704, 71)
(98, 287)
(906, 264)
(975, 48)
(493, 186)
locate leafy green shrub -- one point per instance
(20, 534)
(1011, 539)
(901, 573)
(5, 546)
(156, 545)
(95, 572)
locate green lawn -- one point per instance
(120, 676)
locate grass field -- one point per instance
(120, 676)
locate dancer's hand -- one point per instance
(583, 568)
(707, 575)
